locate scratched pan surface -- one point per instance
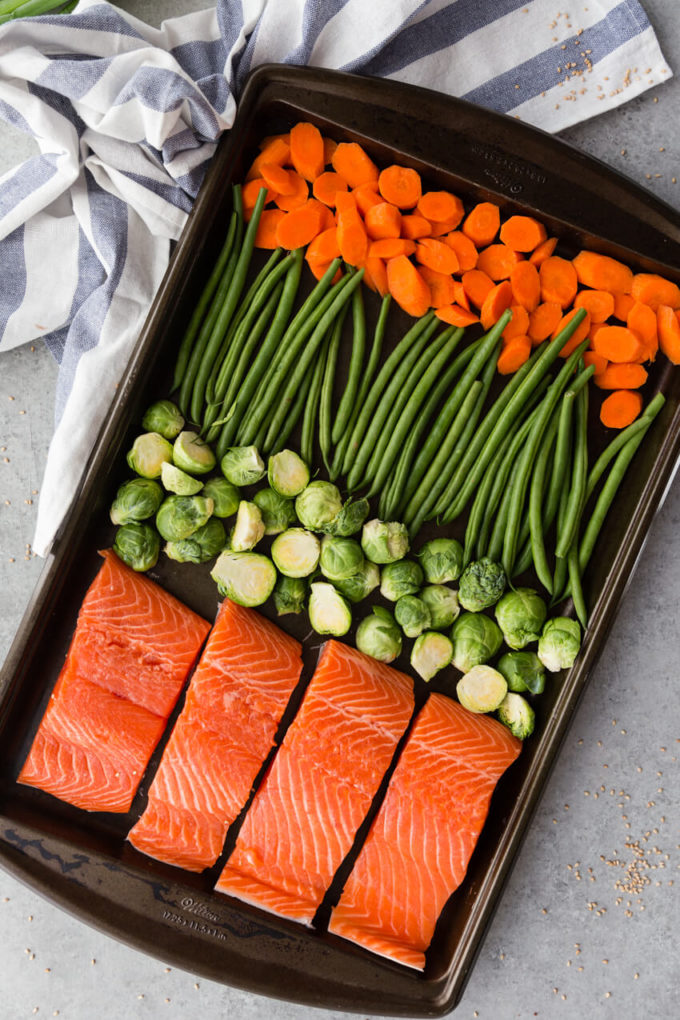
(81, 861)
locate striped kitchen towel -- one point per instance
(126, 116)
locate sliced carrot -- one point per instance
(354, 164)
(366, 195)
(391, 247)
(329, 147)
(440, 228)
(383, 220)
(324, 246)
(477, 285)
(602, 272)
(618, 343)
(559, 282)
(306, 150)
(326, 185)
(441, 207)
(514, 354)
(598, 303)
(643, 321)
(414, 226)
(519, 323)
(319, 269)
(654, 290)
(276, 151)
(299, 227)
(437, 255)
(265, 236)
(375, 275)
(460, 297)
(669, 333)
(579, 334)
(456, 316)
(407, 286)
(593, 358)
(277, 179)
(249, 193)
(595, 328)
(543, 252)
(620, 409)
(442, 286)
(497, 261)
(495, 303)
(543, 320)
(621, 377)
(622, 305)
(297, 198)
(526, 285)
(401, 186)
(464, 248)
(268, 139)
(482, 224)
(523, 233)
(352, 236)
(327, 217)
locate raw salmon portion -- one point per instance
(225, 731)
(115, 692)
(303, 820)
(419, 845)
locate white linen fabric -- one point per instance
(127, 116)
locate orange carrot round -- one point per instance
(390, 247)
(441, 207)
(622, 305)
(596, 360)
(579, 334)
(414, 226)
(306, 150)
(495, 303)
(354, 164)
(352, 236)
(559, 282)
(297, 197)
(654, 290)
(249, 193)
(519, 323)
(265, 236)
(497, 261)
(324, 246)
(277, 150)
(442, 286)
(383, 220)
(401, 186)
(643, 321)
(526, 285)
(482, 224)
(460, 296)
(621, 377)
(327, 185)
(437, 255)
(514, 354)
(669, 333)
(618, 343)
(299, 227)
(329, 147)
(543, 320)
(455, 315)
(366, 195)
(543, 252)
(464, 248)
(277, 178)
(407, 286)
(602, 272)
(598, 303)
(523, 233)
(375, 275)
(620, 409)
(477, 285)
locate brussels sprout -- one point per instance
(296, 552)
(289, 595)
(521, 614)
(247, 578)
(350, 518)
(165, 418)
(384, 541)
(148, 454)
(135, 501)
(287, 472)
(137, 545)
(178, 481)
(180, 516)
(357, 587)
(412, 615)
(482, 689)
(242, 465)
(481, 585)
(340, 558)
(318, 505)
(192, 454)
(224, 495)
(442, 603)
(329, 612)
(476, 639)
(559, 643)
(401, 578)
(523, 671)
(201, 546)
(379, 636)
(431, 652)
(278, 513)
(516, 713)
(442, 560)
(248, 529)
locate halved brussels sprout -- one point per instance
(290, 594)
(192, 454)
(180, 516)
(523, 671)
(278, 513)
(165, 418)
(248, 529)
(137, 545)
(247, 578)
(442, 603)
(482, 689)
(516, 713)
(357, 587)
(521, 614)
(441, 560)
(401, 578)
(340, 558)
(242, 465)
(148, 454)
(412, 615)
(202, 546)
(559, 643)
(379, 636)
(350, 518)
(384, 541)
(296, 552)
(476, 639)
(318, 505)
(431, 652)
(288, 474)
(224, 495)
(481, 585)
(178, 481)
(135, 501)
(329, 612)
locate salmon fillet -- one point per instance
(420, 843)
(226, 729)
(115, 692)
(304, 818)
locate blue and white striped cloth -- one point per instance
(126, 117)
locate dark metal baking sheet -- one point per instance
(81, 861)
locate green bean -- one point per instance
(499, 419)
(524, 560)
(326, 403)
(579, 475)
(376, 388)
(355, 366)
(293, 415)
(560, 575)
(480, 504)
(495, 547)
(610, 451)
(227, 310)
(204, 301)
(536, 503)
(575, 585)
(263, 357)
(307, 354)
(311, 409)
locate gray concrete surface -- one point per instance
(571, 938)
